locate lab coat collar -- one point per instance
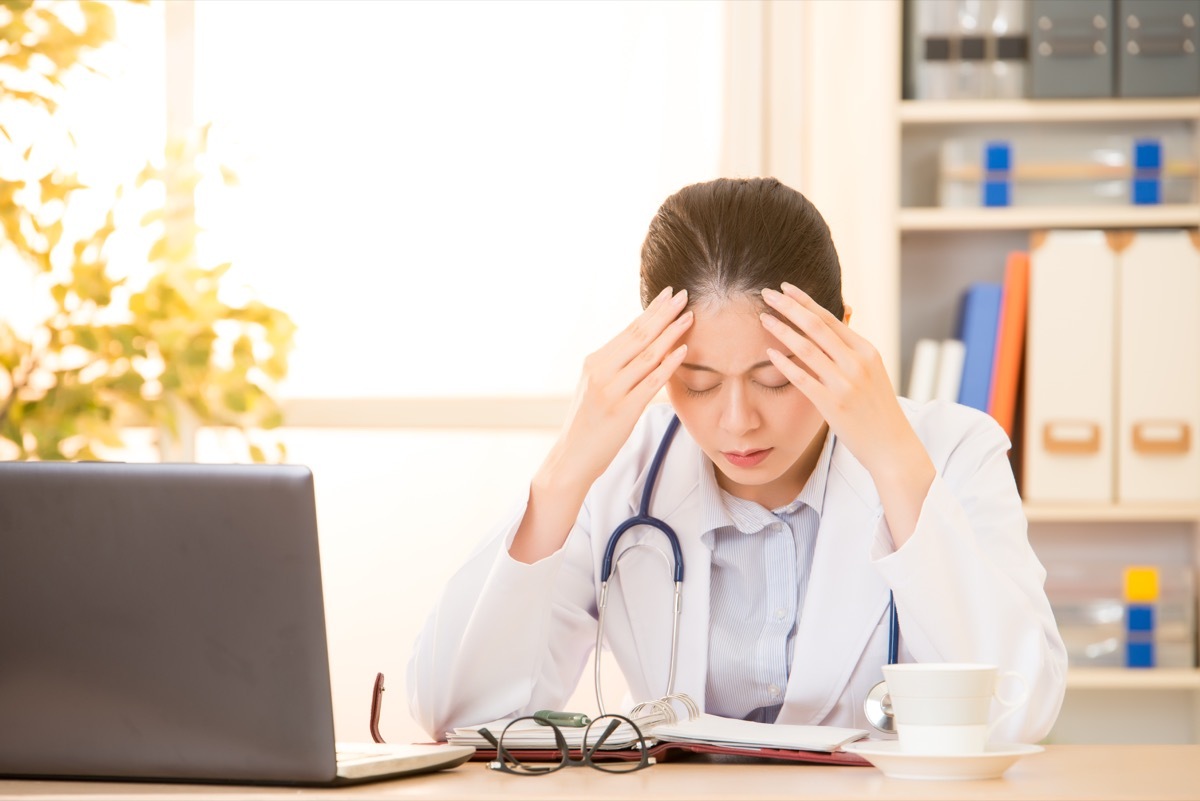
(846, 596)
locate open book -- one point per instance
(664, 730)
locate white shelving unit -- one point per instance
(1082, 513)
(1026, 219)
(941, 251)
(956, 112)
(1126, 679)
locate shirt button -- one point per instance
(779, 613)
(774, 690)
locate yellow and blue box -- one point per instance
(1141, 596)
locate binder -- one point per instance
(1010, 342)
(1158, 409)
(922, 377)
(1159, 44)
(1010, 64)
(966, 49)
(1071, 48)
(931, 25)
(978, 321)
(1069, 374)
(949, 371)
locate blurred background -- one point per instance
(378, 238)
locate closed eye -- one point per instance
(699, 393)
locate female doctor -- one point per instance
(804, 495)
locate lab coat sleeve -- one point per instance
(968, 586)
(505, 638)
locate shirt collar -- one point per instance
(719, 509)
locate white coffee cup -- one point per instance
(944, 707)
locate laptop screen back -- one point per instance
(162, 621)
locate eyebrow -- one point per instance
(700, 368)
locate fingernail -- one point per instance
(680, 297)
(685, 318)
(661, 296)
(792, 288)
(768, 319)
(770, 294)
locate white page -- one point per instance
(745, 733)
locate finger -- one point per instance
(641, 395)
(839, 327)
(804, 349)
(815, 327)
(649, 359)
(811, 386)
(644, 330)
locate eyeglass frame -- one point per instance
(504, 757)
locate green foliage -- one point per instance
(109, 353)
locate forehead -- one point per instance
(728, 337)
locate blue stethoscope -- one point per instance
(877, 706)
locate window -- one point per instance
(450, 198)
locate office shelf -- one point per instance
(960, 112)
(1012, 218)
(1133, 679)
(1085, 513)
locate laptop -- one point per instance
(165, 622)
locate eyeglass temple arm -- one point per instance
(608, 730)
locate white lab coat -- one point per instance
(508, 638)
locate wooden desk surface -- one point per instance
(1094, 772)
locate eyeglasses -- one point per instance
(591, 749)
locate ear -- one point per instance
(849, 311)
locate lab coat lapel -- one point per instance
(646, 590)
(846, 597)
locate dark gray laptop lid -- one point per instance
(162, 621)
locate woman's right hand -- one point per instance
(619, 380)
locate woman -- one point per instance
(804, 494)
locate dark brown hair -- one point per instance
(733, 237)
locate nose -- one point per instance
(738, 416)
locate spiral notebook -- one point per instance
(679, 727)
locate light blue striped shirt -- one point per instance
(761, 560)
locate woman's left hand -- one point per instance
(844, 377)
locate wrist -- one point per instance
(903, 483)
(560, 476)
(553, 505)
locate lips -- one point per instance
(746, 458)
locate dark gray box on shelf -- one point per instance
(1159, 48)
(1071, 48)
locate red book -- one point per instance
(1010, 341)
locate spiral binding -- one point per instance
(662, 710)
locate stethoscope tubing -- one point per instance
(608, 564)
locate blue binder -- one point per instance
(978, 323)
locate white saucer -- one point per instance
(887, 756)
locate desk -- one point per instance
(1094, 772)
